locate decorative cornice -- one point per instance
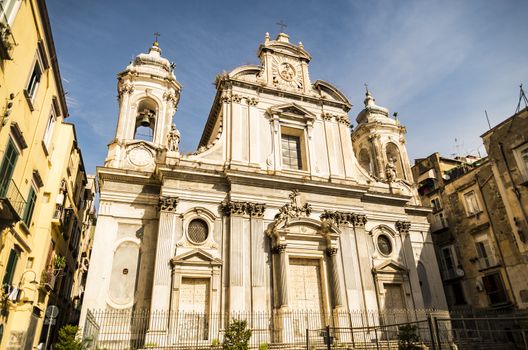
(229, 208)
(403, 226)
(168, 204)
(344, 218)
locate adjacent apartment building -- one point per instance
(478, 222)
(42, 179)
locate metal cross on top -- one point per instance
(156, 36)
(282, 25)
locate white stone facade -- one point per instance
(273, 212)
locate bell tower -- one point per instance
(379, 143)
(148, 94)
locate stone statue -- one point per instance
(174, 139)
(390, 170)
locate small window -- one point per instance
(472, 206)
(7, 167)
(435, 203)
(291, 152)
(14, 255)
(485, 255)
(30, 206)
(48, 133)
(494, 289)
(9, 9)
(36, 74)
(198, 231)
(521, 156)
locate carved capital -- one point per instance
(343, 119)
(236, 98)
(403, 227)
(359, 220)
(327, 116)
(331, 251)
(126, 88)
(279, 248)
(168, 204)
(229, 208)
(342, 218)
(252, 101)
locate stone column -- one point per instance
(336, 283)
(368, 289)
(161, 288)
(403, 228)
(259, 302)
(283, 274)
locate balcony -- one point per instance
(7, 41)
(439, 224)
(12, 203)
(47, 280)
(61, 217)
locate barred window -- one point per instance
(198, 231)
(291, 152)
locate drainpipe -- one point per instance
(480, 186)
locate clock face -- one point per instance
(139, 156)
(287, 72)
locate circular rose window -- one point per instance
(384, 245)
(198, 231)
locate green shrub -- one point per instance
(263, 346)
(67, 338)
(236, 336)
(407, 338)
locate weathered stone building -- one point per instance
(283, 208)
(478, 222)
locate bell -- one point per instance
(145, 121)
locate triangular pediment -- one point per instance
(391, 267)
(196, 256)
(292, 110)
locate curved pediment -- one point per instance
(331, 91)
(247, 72)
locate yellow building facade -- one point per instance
(42, 179)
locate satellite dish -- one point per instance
(460, 272)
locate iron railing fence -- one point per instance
(493, 332)
(145, 329)
(391, 336)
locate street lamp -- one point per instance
(21, 283)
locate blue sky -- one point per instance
(439, 64)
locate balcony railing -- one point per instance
(10, 191)
(62, 217)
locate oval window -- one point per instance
(384, 245)
(197, 231)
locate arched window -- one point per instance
(145, 120)
(365, 161)
(393, 155)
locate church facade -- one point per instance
(285, 206)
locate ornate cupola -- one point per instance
(148, 94)
(379, 143)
